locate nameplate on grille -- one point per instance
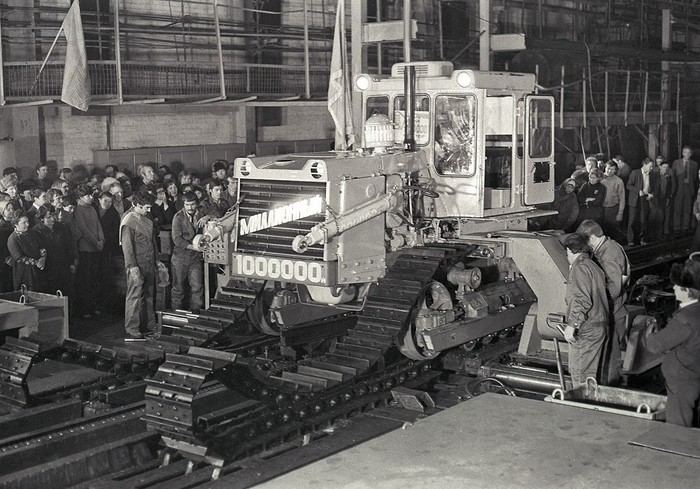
(275, 217)
(282, 269)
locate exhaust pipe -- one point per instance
(409, 87)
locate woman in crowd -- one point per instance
(61, 254)
(28, 258)
(185, 178)
(7, 210)
(163, 210)
(173, 195)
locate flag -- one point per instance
(339, 101)
(76, 79)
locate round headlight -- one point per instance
(362, 82)
(464, 79)
(318, 169)
(244, 167)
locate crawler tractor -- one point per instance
(449, 169)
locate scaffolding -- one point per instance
(608, 63)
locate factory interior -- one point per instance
(330, 244)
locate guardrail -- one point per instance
(165, 80)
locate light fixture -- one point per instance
(464, 79)
(362, 82)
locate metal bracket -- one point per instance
(412, 399)
(16, 360)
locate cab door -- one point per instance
(538, 162)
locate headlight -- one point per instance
(318, 169)
(362, 82)
(244, 167)
(464, 79)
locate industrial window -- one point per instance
(97, 19)
(455, 135)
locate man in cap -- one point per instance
(680, 342)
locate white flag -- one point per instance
(76, 79)
(339, 101)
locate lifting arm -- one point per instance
(333, 227)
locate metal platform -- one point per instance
(497, 441)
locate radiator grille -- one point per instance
(264, 195)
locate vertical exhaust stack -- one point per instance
(409, 87)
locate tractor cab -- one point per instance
(487, 137)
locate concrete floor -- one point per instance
(501, 442)
(106, 330)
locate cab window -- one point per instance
(540, 127)
(377, 105)
(422, 112)
(455, 135)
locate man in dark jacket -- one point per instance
(611, 258)
(109, 220)
(138, 240)
(120, 204)
(662, 205)
(214, 205)
(91, 241)
(643, 187)
(680, 341)
(685, 172)
(587, 311)
(187, 263)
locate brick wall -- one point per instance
(71, 140)
(300, 123)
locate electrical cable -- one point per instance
(503, 387)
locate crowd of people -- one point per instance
(62, 232)
(633, 206)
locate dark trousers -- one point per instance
(695, 246)
(187, 270)
(612, 355)
(585, 355)
(668, 218)
(595, 213)
(682, 395)
(86, 281)
(6, 278)
(656, 223)
(683, 208)
(105, 294)
(611, 226)
(639, 220)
